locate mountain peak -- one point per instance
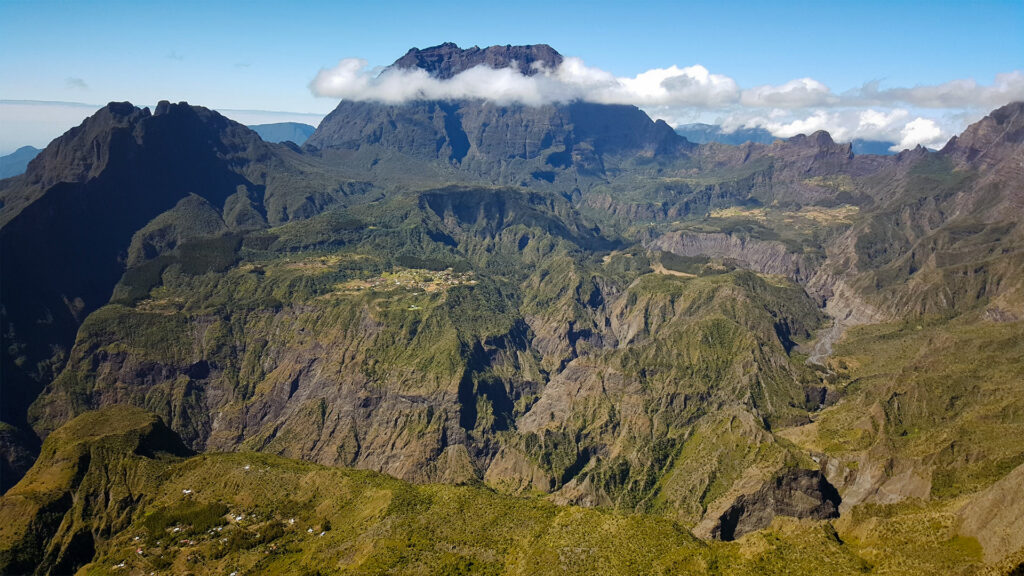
(818, 139)
(446, 60)
(819, 144)
(979, 142)
(82, 153)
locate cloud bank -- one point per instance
(921, 115)
(352, 79)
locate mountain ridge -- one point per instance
(582, 305)
(284, 131)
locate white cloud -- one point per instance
(923, 131)
(799, 93)
(894, 125)
(819, 120)
(674, 86)
(926, 115)
(961, 93)
(352, 79)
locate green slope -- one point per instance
(261, 514)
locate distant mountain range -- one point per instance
(16, 162)
(579, 342)
(703, 133)
(284, 131)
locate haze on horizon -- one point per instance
(906, 72)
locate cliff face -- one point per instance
(762, 256)
(796, 493)
(503, 144)
(992, 140)
(995, 515)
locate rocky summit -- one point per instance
(447, 60)
(469, 338)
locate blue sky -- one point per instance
(263, 55)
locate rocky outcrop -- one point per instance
(447, 60)
(795, 492)
(988, 142)
(813, 155)
(877, 478)
(993, 148)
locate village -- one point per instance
(417, 280)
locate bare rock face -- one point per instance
(796, 492)
(762, 256)
(878, 479)
(993, 148)
(448, 59)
